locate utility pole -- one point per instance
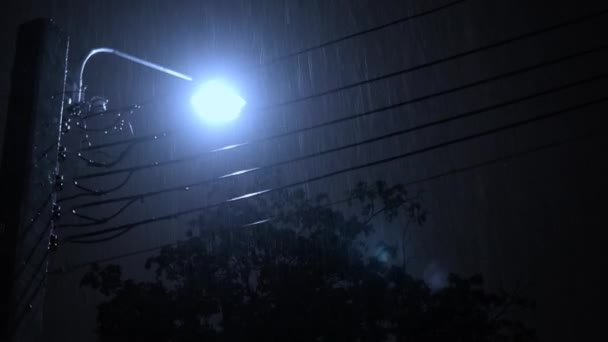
(30, 177)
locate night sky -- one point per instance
(522, 205)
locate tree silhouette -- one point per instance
(307, 275)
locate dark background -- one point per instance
(534, 221)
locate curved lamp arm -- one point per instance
(127, 57)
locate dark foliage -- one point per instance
(305, 277)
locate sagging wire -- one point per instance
(499, 160)
(96, 107)
(76, 110)
(362, 114)
(251, 224)
(130, 108)
(116, 160)
(117, 124)
(120, 232)
(91, 192)
(501, 43)
(466, 114)
(121, 229)
(98, 221)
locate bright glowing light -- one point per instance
(216, 102)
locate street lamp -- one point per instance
(217, 102)
(214, 101)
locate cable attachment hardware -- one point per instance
(62, 153)
(53, 242)
(59, 182)
(56, 212)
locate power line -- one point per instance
(126, 227)
(25, 308)
(117, 111)
(451, 172)
(93, 163)
(347, 118)
(97, 221)
(35, 273)
(466, 114)
(504, 42)
(44, 232)
(439, 60)
(45, 153)
(116, 124)
(37, 213)
(91, 192)
(112, 258)
(361, 33)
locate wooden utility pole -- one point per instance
(29, 176)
